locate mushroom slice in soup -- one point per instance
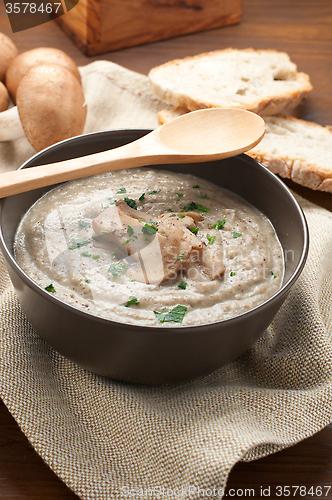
(160, 247)
(202, 264)
(117, 226)
(168, 222)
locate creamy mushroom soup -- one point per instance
(150, 247)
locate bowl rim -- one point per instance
(283, 290)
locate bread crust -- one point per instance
(265, 105)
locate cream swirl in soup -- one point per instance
(150, 247)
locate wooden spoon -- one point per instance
(203, 135)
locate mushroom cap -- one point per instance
(35, 57)
(3, 97)
(51, 105)
(8, 51)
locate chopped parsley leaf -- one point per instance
(82, 224)
(117, 268)
(203, 209)
(149, 229)
(115, 252)
(236, 235)
(196, 187)
(193, 206)
(130, 231)
(203, 196)
(211, 239)
(182, 285)
(232, 273)
(180, 256)
(181, 216)
(141, 198)
(176, 315)
(132, 301)
(104, 231)
(50, 288)
(87, 254)
(190, 206)
(172, 215)
(77, 243)
(180, 195)
(147, 221)
(169, 210)
(153, 192)
(272, 274)
(121, 190)
(219, 225)
(193, 229)
(112, 201)
(130, 202)
(87, 281)
(125, 242)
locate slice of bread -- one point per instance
(263, 81)
(166, 115)
(297, 149)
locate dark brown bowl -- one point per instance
(150, 354)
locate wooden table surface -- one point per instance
(303, 28)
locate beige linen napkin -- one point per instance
(111, 440)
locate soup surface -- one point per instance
(150, 247)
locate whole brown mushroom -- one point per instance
(3, 97)
(8, 53)
(51, 105)
(35, 57)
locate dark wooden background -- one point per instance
(303, 28)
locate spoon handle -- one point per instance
(128, 156)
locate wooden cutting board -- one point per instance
(98, 26)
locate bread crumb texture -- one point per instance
(297, 149)
(263, 81)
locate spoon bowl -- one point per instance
(219, 133)
(203, 135)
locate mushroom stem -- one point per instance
(10, 125)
